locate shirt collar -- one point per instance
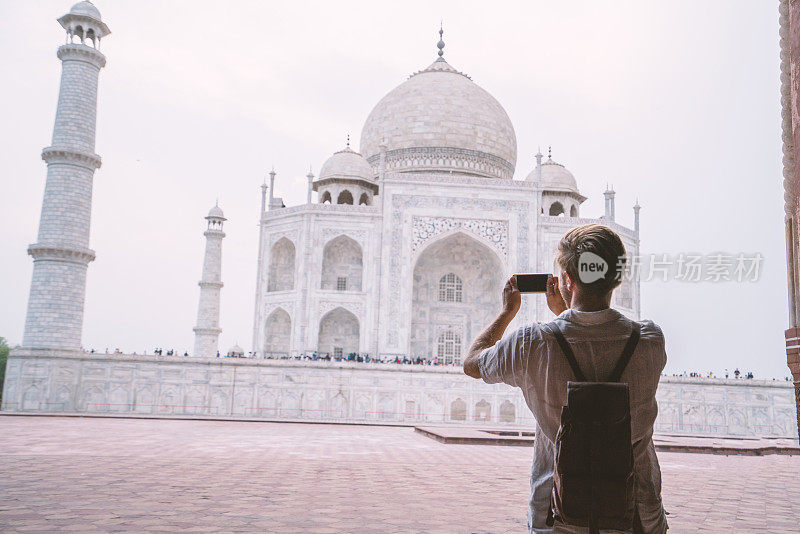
(590, 317)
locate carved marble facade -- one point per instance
(382, 264)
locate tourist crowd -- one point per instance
(405, 360)
(352, 357)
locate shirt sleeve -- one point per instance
(506, 361)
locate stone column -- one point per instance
(207, 331)
(790, 115)
(61, 254)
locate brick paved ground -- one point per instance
(59, 474)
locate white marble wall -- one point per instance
(51, 381)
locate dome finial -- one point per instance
(440, 44)
(348, 140)
(549, 152)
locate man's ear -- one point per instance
(568, 281)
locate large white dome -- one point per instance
(439, 120)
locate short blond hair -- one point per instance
(600, 240)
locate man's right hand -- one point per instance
(554, 299)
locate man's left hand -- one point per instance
(512, 299)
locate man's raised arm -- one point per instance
(492, 333)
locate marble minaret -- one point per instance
(207, 331)
(61, 253)
(609, 195)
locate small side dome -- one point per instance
(346, 164)
(87, 9)
(216, 212)
(555, 177)
(236, 350)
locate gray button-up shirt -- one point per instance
(530, 358)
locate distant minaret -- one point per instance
(207, 331)
(609, 194)
(310, 177)
(539, 157)
(271, 188)
(636, 208)
(61, 253)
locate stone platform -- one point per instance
(78, 382)
(111, 475)
(672, 443)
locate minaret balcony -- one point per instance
(71, 156)
(78, 255)
(82, 52)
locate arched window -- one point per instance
(363, 200)
(449, 348)
(325, 198)
(450, 288)
(342, 265)
(573, 211)
(338, 333)
(458, 410)
(556, 209)
(278, 333)
(483, 411)
(507, 412)
(345, 197)
(281, 266)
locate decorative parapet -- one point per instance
(80, 256)
(579, 221)
(69, 156)
(321, 208)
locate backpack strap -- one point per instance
(627, 352)
(567, 350)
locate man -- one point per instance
(531, 359)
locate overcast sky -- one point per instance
(676, 103)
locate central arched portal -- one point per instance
(457, 289)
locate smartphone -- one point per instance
(532, 282)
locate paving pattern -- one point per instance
(104, 475)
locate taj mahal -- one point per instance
(407, 246)
(401, 251)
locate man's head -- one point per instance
(591, 259)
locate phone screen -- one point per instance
(532, 283)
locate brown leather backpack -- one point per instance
(593, 479)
